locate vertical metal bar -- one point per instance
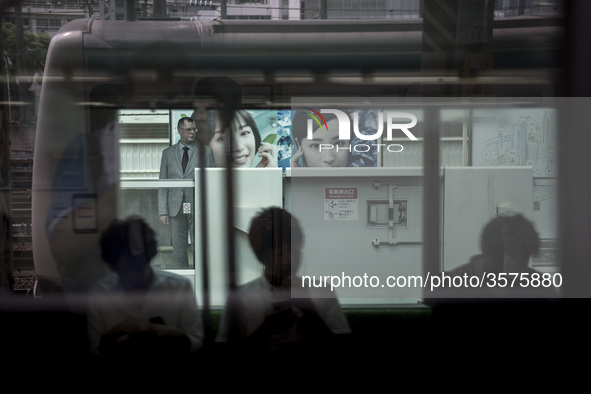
(201, 125)
(574, 140)
(130, 10)
(159, 8)
(6, 249)
(224, 9)
(431, 197)
(226, 95)
(574, 194)
(323, 9)
(227, 117)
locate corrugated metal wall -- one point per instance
(140, 158)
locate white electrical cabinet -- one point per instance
(474, 195)
(361, 226)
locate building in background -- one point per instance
(47, 16)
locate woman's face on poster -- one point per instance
(318, 152)
(243, 144)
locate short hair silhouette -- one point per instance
(491, 239)
(131, 238)
(520, 237)
(274, 235)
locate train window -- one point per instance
(372, 182)
(374, 204)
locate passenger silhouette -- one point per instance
(493, 251)
(138, 311)
(273, 317)
(507, 244)
(520, 242)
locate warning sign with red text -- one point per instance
(340, 203)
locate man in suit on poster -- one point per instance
(176, 205)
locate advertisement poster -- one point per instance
(265, 127)
(324, 148)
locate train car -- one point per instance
(96, 68)
(485, 146)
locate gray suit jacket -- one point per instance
(170, 199)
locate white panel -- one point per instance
(346, 246)
(254, 189)
(472, 196)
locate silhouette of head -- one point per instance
(127, 247)
(491, 239)
(276, 238)
(513, 236)
(520, 239)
